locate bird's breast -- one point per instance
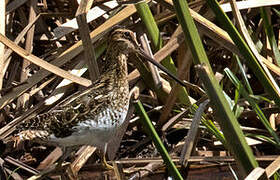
(95, 131)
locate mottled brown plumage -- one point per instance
(93, 116)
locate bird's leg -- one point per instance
(103, 159)
(66, 151)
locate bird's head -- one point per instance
(125, 40)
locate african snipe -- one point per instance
(93, 116)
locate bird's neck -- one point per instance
(116, 63)
(120, 65)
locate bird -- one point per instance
(92, 116)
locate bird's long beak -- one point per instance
(154, 62)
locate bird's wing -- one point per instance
(84, 105)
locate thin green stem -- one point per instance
(156, 139)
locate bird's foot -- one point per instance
(105, 163)
(60, 166)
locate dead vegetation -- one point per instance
(46, 47)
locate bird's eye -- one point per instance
(126, 34)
